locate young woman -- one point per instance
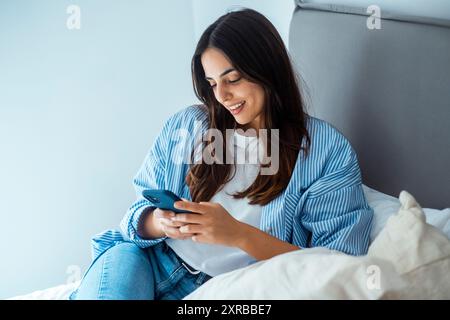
(314, 197)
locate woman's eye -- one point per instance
(229, 81)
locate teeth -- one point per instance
(236, 106)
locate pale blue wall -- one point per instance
(78, 112)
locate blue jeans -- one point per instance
(127, 272)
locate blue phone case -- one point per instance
(163, 199)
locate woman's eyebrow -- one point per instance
(223, 73)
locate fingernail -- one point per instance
(172, 214)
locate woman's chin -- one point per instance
(241, 122)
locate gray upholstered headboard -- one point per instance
(386, 90)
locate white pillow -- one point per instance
(419, 252)
(385, 206)
(409, 259)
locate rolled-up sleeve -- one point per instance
(151, 175)
(335, 211)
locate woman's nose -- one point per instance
(223, 94)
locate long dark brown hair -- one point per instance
(256, 50)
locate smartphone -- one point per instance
(163, 199)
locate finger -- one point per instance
(166, 214)
(188, 218)
(171, 232)
(190, 206)
(191, 228)
(170, 223)
(175, 233)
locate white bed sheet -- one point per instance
(384, 207)
(61, 292)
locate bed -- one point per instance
(385, 207)
(388, 91)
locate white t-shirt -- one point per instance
(217, 259)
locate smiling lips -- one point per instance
(237, 108)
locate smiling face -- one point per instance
(242, 98)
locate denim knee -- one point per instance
(122, 272)
(128, 250)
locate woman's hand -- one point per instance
(167, 226)
(210, 223)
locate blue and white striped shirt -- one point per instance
(322, 206)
